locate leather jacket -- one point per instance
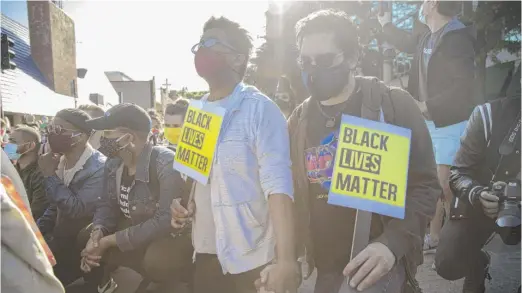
(478, 158)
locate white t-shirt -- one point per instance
(204, 229)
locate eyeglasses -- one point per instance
(208, 43)
(58, 129)
(324, 61)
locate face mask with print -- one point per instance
(172, 134)
(110, 147)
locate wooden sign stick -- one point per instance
(361, 238)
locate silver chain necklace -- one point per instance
(331, 120)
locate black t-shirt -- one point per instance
(127, 182)
(331, 226)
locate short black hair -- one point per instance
(237, 36)
(95, 110)
(449, 8)
(330, 21)
(30, 135)
(178, 107)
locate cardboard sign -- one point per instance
(199, 137)
(371, 167)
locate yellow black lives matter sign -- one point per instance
(371, 167)
(199, 137)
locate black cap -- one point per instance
(76, 117)
(126, 115)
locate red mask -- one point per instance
(209, 64)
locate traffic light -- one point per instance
(8, 53)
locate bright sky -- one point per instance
(153, 38)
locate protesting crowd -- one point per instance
(236, 191)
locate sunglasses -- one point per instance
(58, 129)
(322, 61)
(209, 43)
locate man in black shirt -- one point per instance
(27, 140)
(327, 41)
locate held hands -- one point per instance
(181, 216)
(93, 251)
(489, 202)
(48, 163)
(281, 277)
(369, 266)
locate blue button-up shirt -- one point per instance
(252, 161)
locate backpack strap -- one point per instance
(153, 172)
(376, 99)
(485, 113)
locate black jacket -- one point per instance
(451, 71)
(35, 187)
(478, 157)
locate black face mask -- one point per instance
(325, 83)
(109, 147)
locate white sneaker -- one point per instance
(110, 287)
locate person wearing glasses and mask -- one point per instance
(328, 52)
(242, 213)
(284, 96)
(73, 173)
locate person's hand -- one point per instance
(281, 277)
(180, 215)
(369, 266)
(384, 18)
(48, 163)
(489, 202)
(93, 251)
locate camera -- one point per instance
(508, 219)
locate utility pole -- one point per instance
(164, 90)
(166, 84)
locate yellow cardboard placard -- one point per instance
(371, 167)
(198, 140)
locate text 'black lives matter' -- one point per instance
(200, 119)
(193, 137)
(361, 161)
(192, 158)
(364, 161)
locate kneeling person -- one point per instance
(131, 225)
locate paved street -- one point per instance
(505, 273)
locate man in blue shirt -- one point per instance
(245, 210)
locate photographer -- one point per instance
(489, 153)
